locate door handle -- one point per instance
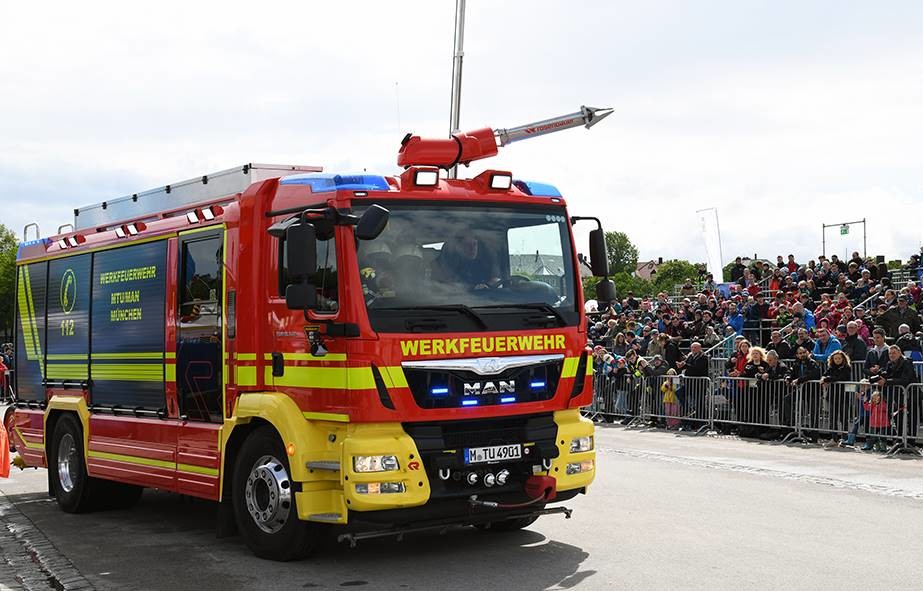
(278, 364)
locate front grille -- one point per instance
(442, 449)
(440, 388)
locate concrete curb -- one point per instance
(31, 559)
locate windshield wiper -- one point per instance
(460, 308)
(548, 308)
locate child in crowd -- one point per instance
(879, 423)
(670, 401)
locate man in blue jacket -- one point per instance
(825, 345)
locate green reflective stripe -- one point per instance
(151, 355)
(67, 371)
(67, 357)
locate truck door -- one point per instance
(199, 360)
(314, 378)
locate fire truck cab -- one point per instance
(312, 350)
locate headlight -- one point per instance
(380, 488)
(579, 444)
(580, 467)
(375, 463)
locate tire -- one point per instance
(507, 525)
(70, 484)
(264, 501)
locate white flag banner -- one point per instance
(711, 236)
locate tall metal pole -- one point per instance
(457, 57)
(864, 251)
(823, 240)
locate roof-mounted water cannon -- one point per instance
(464, 148)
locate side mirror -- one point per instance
(372, 223)
(301, 256)
(301, 296)
(605, 291)
(599, 260)
(301, 251)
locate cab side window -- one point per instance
(324, 278)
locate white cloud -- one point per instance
(784, 116)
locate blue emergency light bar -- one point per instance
(537, 189)
(469, 402)
(325, 182)
(508, 399)
(537, 385)
(439, 391)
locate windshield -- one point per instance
(440, 268)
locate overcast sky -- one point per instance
(783, 115)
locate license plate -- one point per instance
(494, 453)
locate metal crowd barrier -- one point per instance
(677, 402)
(883, 417)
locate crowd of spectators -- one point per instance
(789, 321)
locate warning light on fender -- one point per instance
(290, 449)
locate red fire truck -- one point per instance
(380, 354)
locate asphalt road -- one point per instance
(667, 511)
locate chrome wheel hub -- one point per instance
(67, 462)
(268, 494)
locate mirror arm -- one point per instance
(580, 218)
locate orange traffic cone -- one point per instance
(4, 452)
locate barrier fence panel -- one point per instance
(857, 370)
(616, 398)
(717, 366)
(678, 402)
(885, 418)
(754, 402)
(853, 411)
(913, 431)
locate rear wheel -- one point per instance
(264, 501)
(70, 484)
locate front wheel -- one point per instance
(264, 501)
(70, 484)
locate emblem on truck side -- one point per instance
(477, 388)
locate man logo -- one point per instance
(68, 291)
(479, 388)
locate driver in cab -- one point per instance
(464, 260)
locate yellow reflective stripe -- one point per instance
(246, 356)
(151, 355)
(170, 355)
(132, 372)
(25, 319)
(171, 372)
(394, 377)
(103, 455)
(351, 378)
(67, 371)
(326, 416)
(305, 357)
(197, 469)
(28, 444)
(570, 367)
(31, 303)
(67, 357)
(245, 376)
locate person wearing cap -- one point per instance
(853, 345)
